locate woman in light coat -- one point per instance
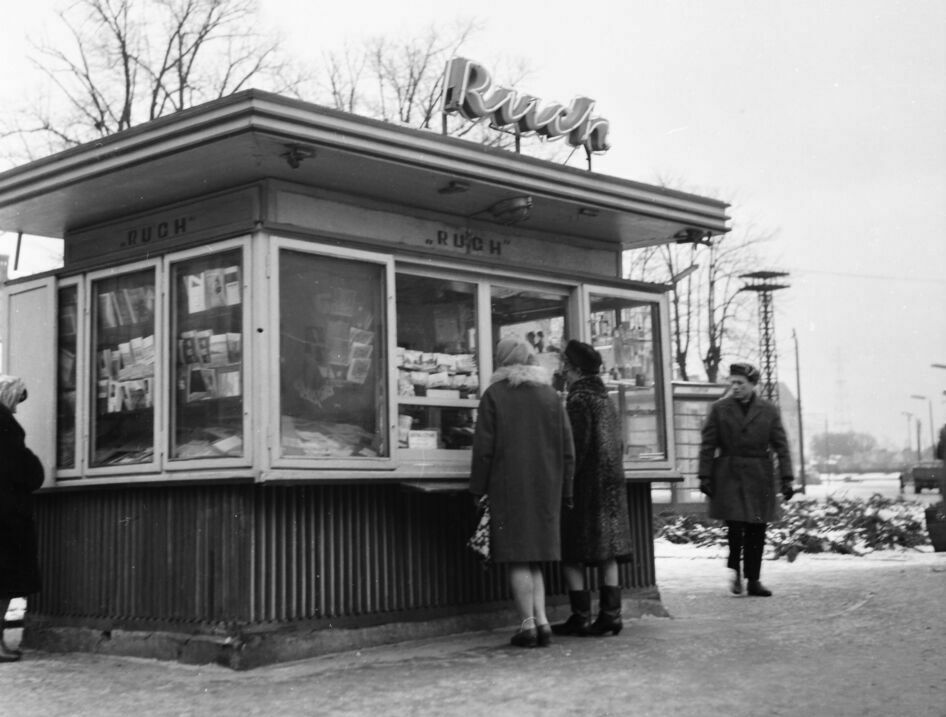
(21, 473)
(740, 437)
(523, 459)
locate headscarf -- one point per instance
(12, 390)
(513, 351)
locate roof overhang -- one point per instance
(246, 137)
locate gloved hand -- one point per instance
(787, 490)
(706, 486)
(569, 503)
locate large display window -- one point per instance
(123, 344)
(333, 356)
(358, 368)
(627, 330)
(207, 368)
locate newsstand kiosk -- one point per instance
(254, 381)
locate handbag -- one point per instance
(479, 541)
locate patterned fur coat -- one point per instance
(598, 527)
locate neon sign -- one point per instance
(468, 89)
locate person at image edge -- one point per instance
(21, 473)
(737, 474)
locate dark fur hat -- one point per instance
(584, 357)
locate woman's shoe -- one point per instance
(526, 637)
(735, 587)
(9, 655)
(543, 635)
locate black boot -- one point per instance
(609, 612)
(757, 589)
(580, 619)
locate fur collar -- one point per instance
(520, 373)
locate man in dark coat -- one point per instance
(596, 531)
(21, 473)
(737, 473)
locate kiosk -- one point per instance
(253, 382)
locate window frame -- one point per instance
(175, 465)
(272, 417)
(661, 364)
(83, 347)
(159, 430)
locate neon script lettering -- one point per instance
(468, 89)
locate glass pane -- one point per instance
(436, 361)
(625, 332)
(123, 342)
(66, 380)
(333, 398)
(433, 427)
(207, 324)
(536, 316)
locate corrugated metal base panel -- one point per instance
(222, 561)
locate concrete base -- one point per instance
(253, 646)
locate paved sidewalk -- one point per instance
(842, 636)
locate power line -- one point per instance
(880, 277)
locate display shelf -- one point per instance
(439, 402)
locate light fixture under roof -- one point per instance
(512, 211)
(454, 186)
(296, 153)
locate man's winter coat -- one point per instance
(736, 453)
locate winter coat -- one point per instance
(21, 473)
(523, 458)
(597, 528)
(736, 455)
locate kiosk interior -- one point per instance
(255, 379)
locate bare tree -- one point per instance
(130, 61)
(401, 81)
(707, 305)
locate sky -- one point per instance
(822, 122)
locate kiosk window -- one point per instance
(625, 332)
(536, 316)
(438, 377)
(66, 378)
(123, 384)
(207, 361)
(333, 401)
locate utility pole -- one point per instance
(801, 432)
(763, 283)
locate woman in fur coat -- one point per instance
(20, 474)
(597, 531)
(523, 460)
